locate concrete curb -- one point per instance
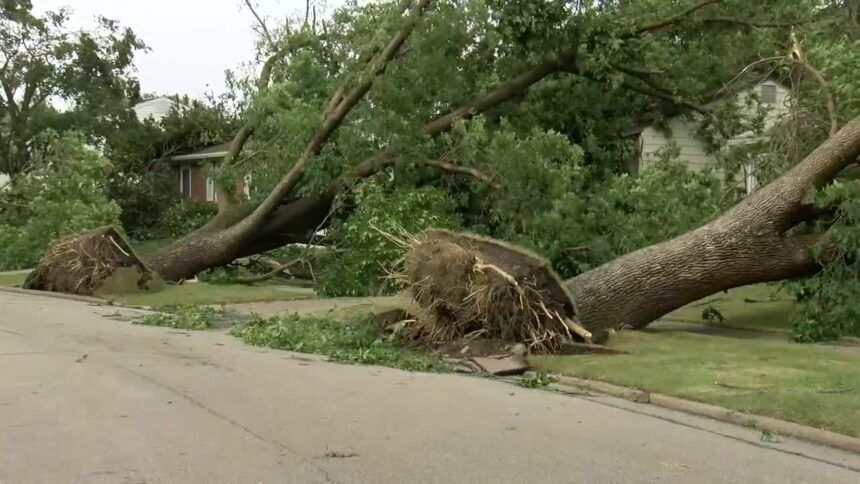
(781, 427)
(57, 295)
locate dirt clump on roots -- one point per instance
(82, 263)
(471, 287)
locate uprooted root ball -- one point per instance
(471, 287)
(80, 264)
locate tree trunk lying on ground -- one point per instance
(749, 244)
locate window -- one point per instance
(750, 180)
(185, 182)
(211, 194)
(768, 93)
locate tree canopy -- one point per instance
(565, 80)
(43, 61)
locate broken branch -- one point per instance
(795, 55)
(753, 23)
(263, 28)
(578, 329)
(474, 173)
(330, 125)
(269, 275)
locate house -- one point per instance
(680, 133)
(193, 180)
(157, 108)
(192, 169)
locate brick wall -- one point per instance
(197, 183)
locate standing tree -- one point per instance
(41, 59)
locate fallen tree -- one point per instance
(748, 244)
(752, 243)
(241, 229)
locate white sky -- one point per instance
(192, 42)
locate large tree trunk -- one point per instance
(214, 246)
(634, 290)
(746, 245)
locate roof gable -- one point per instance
(156, 109)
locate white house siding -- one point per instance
(682, 133)
(157, 109)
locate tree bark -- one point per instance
(209, 247)
(747, 245)
(634, 290)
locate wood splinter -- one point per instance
(578, 329)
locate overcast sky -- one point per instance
(192, 42)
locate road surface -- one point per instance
(87, 398)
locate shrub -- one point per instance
(622, 214)
(365, 254)
(64, 194)
(575, 214)
(828, 302)
(186, 216)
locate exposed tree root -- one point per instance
(470, 287)
(82, 263)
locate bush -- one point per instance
(64, 194)
(574, 214)
(623, 214)
(828, 302)
(186, 216)
(365, 255)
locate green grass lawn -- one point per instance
(806, 384)
(760, 307)
(196, 293)
(13, 278)
(147, 248)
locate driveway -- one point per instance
(87, 398)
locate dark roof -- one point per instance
(208, 153)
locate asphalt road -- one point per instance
(86, 398)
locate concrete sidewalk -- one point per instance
(86, 398)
